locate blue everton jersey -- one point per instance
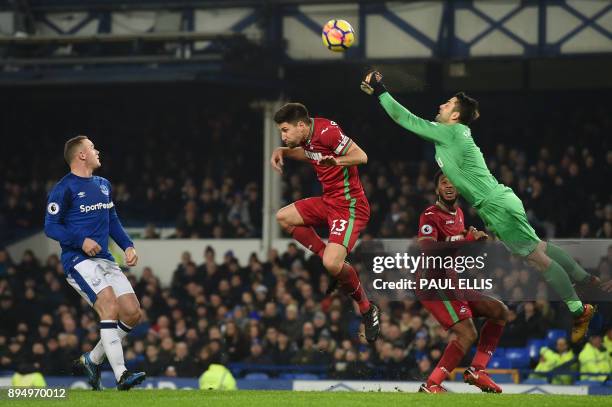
(80, 208)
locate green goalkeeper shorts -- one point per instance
(505, 215)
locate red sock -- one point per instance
(448, 362)
(489, 337)
(351, 286)
(307, 236)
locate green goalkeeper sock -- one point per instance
(566, 261)
(558, 279)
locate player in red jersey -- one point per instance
(444, 222)
(343, 206)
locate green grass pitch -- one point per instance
(188, 398)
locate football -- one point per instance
(338, 35)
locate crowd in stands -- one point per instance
(271, 311)
(199, 172)
(207, 182)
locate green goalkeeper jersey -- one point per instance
(458, 156)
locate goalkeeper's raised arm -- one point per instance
(438, 132)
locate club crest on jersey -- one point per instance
(104, 189)
(53, 208)
(426, 229)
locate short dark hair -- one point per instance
(467, 108)
(292, 113)
(71, 146)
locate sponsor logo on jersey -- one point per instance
(439, 161)
(53, 208)
(462, 310)
(96, 207)
(450, 222)
(426, 229)
(324, 130)
(96, 282)
(428, 213)
(81, 194)
(104, 189)
(313, 155)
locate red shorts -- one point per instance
(345, 221)
(448, 306)
(448, 312)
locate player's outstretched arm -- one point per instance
(278, 157)
(430, 131)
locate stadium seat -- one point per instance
(587, 383)
(107, 375)
(502, 377)
(534, 346)
(534, 380)
(306, 376)
(499, 362)
(298, 376)
(518, 357)
(554, 334)
(257, 376)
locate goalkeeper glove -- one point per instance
(372, 84)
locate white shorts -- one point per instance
(91, 276)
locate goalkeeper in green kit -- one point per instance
(462, 162)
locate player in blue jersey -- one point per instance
(81, 216)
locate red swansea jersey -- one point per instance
(339, 183)
(441, 225)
